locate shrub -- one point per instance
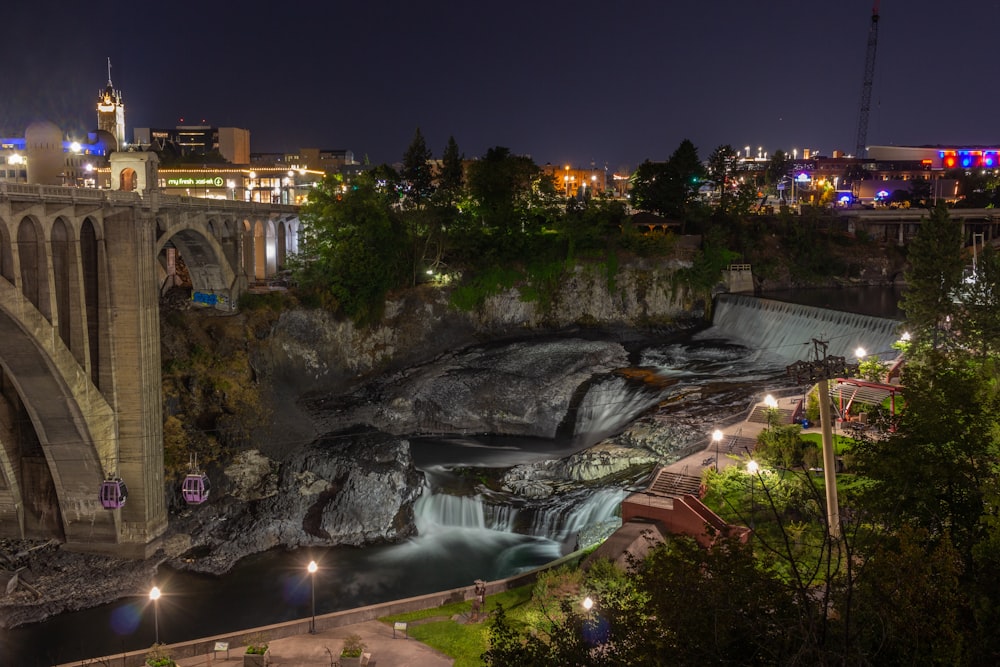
(257, 643)
(157, 656)
(354, 646)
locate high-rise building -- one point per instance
(111, 112)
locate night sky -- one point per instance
(564, 82)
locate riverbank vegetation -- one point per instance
(501, 221)
(911, 577)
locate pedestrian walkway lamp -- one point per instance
(312, 579)
(154, 595)
(772, 405)
(717, 438)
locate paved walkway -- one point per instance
(323, 649)
(737, 441)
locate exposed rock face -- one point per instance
(351, 488)
(316, 352)
(516, 389)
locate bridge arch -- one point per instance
(60, 442)
(208, 269)
(7, 270)
(33, 263)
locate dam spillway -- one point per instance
(784, 331)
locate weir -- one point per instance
(784, 331)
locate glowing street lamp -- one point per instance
(154, 595)
(717, 438)
(772, 404)
(312, 579)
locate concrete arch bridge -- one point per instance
(81, 273)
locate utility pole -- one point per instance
(821, 371)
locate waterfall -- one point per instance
(608, 405)
(434, 511)
(785, 331)
(575, 511)
(557, 520)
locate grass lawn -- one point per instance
(465, 642)
(841, 443)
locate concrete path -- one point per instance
(311, 650)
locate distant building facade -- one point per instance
(232, 143)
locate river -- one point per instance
(460, 538)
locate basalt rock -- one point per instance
(521, 388)
(352, 488)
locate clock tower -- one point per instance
(111, 112)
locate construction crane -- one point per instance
(866, 86)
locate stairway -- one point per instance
(669, 483)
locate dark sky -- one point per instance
(612, 83)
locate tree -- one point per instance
(979, 323)
(501, 185)
(937, 469)
(668, 188)
(416, 173)
(721, 164)
(933, 277)
(777, 168)
(451, 177)
(353, 247)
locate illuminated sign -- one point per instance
(192, 181)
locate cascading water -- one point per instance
(572, 512)
(436, 511)
(784, 331)
(609, 404)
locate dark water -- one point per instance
(274, 587)
(874, 301)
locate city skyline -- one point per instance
(565, 84)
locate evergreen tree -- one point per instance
(933, 278)
(418, 179)
(451, 179)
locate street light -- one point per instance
(772, 404)
(154, 595)
(717, 437)
(312, 579)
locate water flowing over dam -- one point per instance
(784, 332)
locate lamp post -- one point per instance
(772, 404)
(312, 579)
(752, 468)
(717, 438)
(154, 595)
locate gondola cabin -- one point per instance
(113, 493)
(195, 488)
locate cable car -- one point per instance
(195, 488)
(196, 484)
(113, 493)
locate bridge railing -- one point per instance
(73, 195)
